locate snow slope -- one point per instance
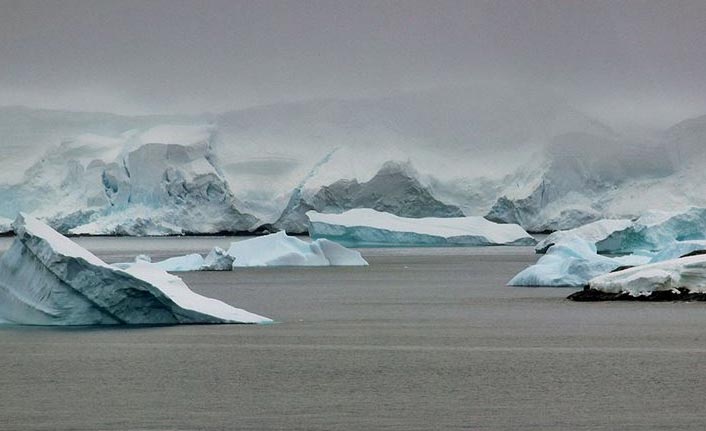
(46, 279)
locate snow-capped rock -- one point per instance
(46, 279)
(394, 189)
(687, 274)
(366, 227)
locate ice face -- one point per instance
(572, 263)
(46, 279)
(279, 249)
(369, 228)
(685, 273)
(163, 180)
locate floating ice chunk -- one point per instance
(366, 227)
(46, 279)
(592, 232)
(684, 274)
(572, 262)
(190, 262)
(218, 260)
(279, 249)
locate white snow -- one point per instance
(5, 225)
(190, 262)
(280, 249)
(366, 227)
(47, 279)
(687, 272)
(592, 232)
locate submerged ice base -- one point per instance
(46, 279)
(369, 228)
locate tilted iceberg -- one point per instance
(683, 278)
(280, 249)
(46, 279)
(366, 227)
(572, 263)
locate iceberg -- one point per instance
(572, 263)
(652, 231)
(593, 233)
(280, 249)
(683, 278)
(47, 279)
(365, 227)
(218, 260)
(679, 249)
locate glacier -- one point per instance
(280, 249)
(572, 263)
(513, 155)
(365, 227)
(46, 279)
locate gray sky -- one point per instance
(625, 61)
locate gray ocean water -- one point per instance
(425, 339)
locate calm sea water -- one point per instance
(422, 339)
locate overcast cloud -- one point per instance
(626, 62)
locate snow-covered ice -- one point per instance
(366, 227)
(572, 263)
(652, 231)
(5, 225)
(593, 233)
(280, 249)
(678, 249)
(46, 279)
(672, 275)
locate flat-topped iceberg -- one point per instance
(366, 227)
(572, 263)
(46, 279)
(280, 249)
(683, 278)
